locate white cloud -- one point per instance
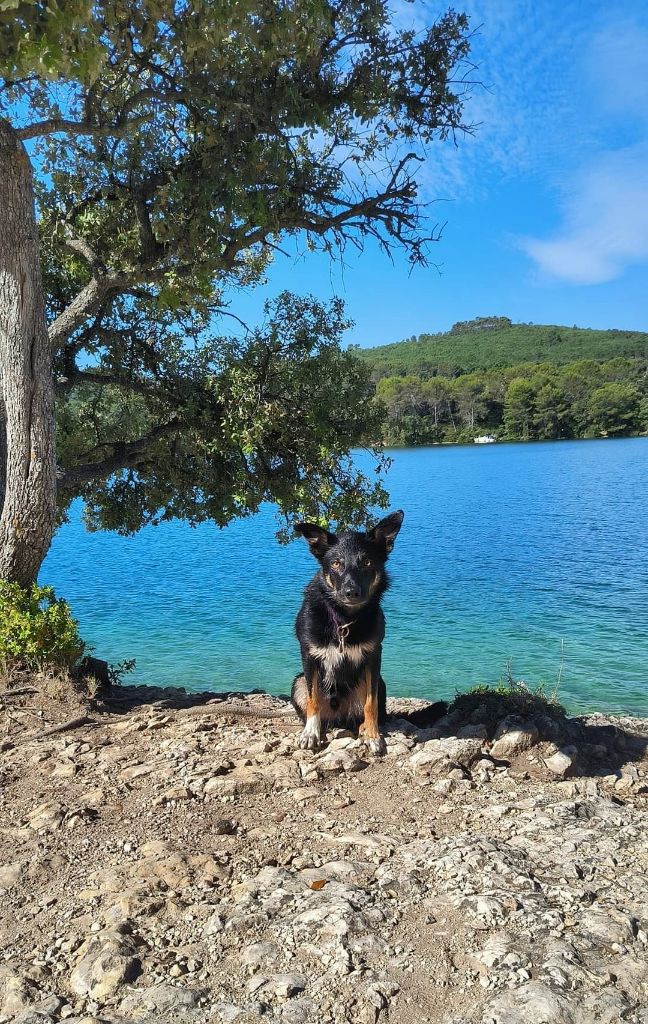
(526, 102)
(605, 222)
(563, 104)
(528, 108)
(605, 204)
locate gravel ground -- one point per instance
(176, 858)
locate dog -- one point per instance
(340, 628)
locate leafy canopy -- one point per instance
(176, 145)
(227, 427)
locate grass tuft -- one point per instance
(508, 697)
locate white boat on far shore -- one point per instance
(485, 439)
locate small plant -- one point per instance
(117, 672)
(509, 696)
(37, 628)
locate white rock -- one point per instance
(106, 963)
(439, 754)
(168, 999)
(513, 736)
(562, 762)
(341, 761)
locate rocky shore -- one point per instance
(165, 857)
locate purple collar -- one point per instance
(342, 628)
(335, 617)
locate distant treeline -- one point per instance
(532, 401)
(516, 381)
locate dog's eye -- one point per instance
(336, 564)
(366, 562)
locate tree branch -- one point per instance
(126, 455)
(151, 249)
(54, 125)
(83, 248)
(77, 377)
(87, 301)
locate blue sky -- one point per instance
(545, 209)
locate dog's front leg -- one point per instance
(370, 728)
(311, 736)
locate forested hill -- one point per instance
(496, 342)
(511, 381)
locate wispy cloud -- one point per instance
(527, 106)
(604, 204)
(605, 222)
(526, 102)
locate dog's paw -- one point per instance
(308, 741)
(377, 746)
(311, 737)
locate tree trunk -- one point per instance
(27, 453)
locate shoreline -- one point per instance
(510, 441)
(163, 692)
(168, 858)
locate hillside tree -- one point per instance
(552, 417)
(615, 409)
(519, 408)
(169, 147)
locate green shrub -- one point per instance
(36, 628)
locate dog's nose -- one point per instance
(351, 590)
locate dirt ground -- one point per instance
(174, 858)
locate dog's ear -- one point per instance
(319, 539)
(386, 530)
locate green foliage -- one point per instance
(519, 408)
(47, 38)
(614, 408)
(479, 348)
(508, 697)
(116, 672)
(267, 418)
(524, 401)
(176, 146)
(36, 628)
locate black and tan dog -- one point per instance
(340, 628)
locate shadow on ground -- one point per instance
(598, 745)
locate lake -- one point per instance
(532, 557)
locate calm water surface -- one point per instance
(535, 555)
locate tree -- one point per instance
(615, 409)
(403, 396)
(554, 337)
(551, 411)
(174, 146)
(519, 405)
(643, 414)
(437, 392)
(469, 395)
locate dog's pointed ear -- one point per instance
(386, 530)
(319, 539)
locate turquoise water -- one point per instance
(534, 554)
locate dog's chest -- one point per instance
(334, 659)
